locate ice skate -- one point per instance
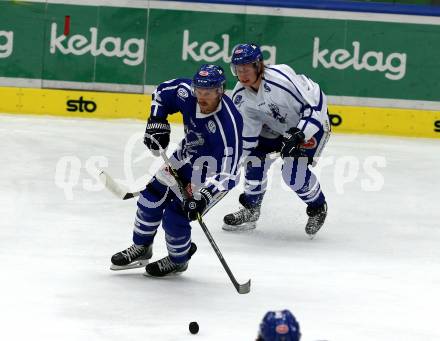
(316, 219)
(242, 220)
(165, 266)
(136, 256)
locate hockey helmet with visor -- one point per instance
(245, 54)
(209, 76)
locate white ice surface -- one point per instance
(371, 274)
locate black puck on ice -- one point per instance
(193, 327)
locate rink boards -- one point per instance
(105, 105)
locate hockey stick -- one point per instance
(241, 288)
(123, 194)
(115, 188)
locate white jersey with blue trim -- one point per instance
(284, 100)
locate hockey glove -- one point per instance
(291, 145)
(192, 206)
(157, 130)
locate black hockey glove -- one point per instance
(157, 130)
(292, 140)
(192, 206)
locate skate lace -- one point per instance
(243, 213)
(133, 251)
(314, 223)
(166, 264)
(314, 220)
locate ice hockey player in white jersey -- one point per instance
(282, 112)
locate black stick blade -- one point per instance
(128, 196)
(244, 288)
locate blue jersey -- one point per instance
(211, 151)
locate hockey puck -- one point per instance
(193, 327)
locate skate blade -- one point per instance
(311, 236)
(172, 274)
(134, 265)
(239, 228)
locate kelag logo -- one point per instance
(437, 126)
(131, 51)
(81, 105)
(211, 51)
(394, 65)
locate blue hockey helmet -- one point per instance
(245, 54)
(209, 76)
(279, 326)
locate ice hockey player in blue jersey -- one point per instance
(206, 161)
(282, 112)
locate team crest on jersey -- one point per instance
(266, 87)
(237, 99)
(310, 144)
(212, 127)
(182, 93)
(275, 110)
